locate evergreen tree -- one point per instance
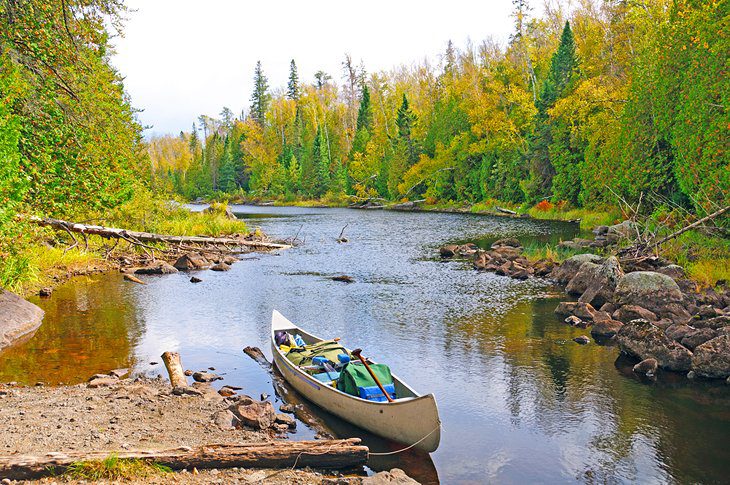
(321, 159)
(364, 114)
(560, 80)
(260, 97)
(292, 87)
(404, 121)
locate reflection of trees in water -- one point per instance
(574, 395)
(90, 326)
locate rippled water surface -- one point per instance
(519, 400)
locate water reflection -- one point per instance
(519, 400)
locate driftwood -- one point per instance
(139, 238)
(336, 454)
(505, 211)
(175, 369)
(693, 225)
(133, 279)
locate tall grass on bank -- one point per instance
(705, 259)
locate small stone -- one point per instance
(573, 321)
(264, 396)
(691, 374)
(287, 408)
(220, 267)
(287, 420)
(582, 340)
(195, 279)
(105, 381)
(226, 392)
(45, 292)
(206, 377)
(343, 278)
(119, 373)
(188, 372)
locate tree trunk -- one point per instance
(337, 454)
(175, 369)
(138, 236)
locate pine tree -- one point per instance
(260, 97)
(321, 159)
(404, 120)
(364, 123)
(560, 80)
(292, 87)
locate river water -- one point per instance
(520, 402)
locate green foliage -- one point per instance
(260, 97)
(115, 468)
(292, 87)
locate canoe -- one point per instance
(410, 419)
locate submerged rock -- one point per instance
(581, 340)
(646, 367)
(220, 267)
(644, 340)
(206, 377)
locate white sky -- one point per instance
(183, 58)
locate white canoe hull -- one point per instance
(407, 420)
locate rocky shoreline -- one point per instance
(645, 306)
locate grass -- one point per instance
(536, 251)
(114, 468)
(705, 259)
(589, 218)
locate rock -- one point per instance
(119, 373)
(467, 249)
(207, 391)
(104, 381)
(579, 283)
(712, 358)
(343, 278)
(568, 269)
(254, 414)
(45, 292)
(649, 290)
(508, 242)
(206, 377)
(624, 229)
(287, 408)
(191, 261)
(646, 367)
(226, 392)
(644, 340)
(582, 340)
(225, 419)
(188, 372)
(632, 312)
(609, 308)
(18, 318)
(606, 328)
(674, 271)
(520, 274)
(575, 322)
(160, 267)
(584, 311)
(229, 260)
(220, 267)
(543, 267)
(565, 308)
(507, 252)
(601, 284)
(678, 331)
(706, 312)
(691, 374)
(393, 477)
(287, 420)
(599, 317)
(698, 337)
(195, 279)
(448, 251)
(714, 323)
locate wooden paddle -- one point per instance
(357, 353)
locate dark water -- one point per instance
(520, 402)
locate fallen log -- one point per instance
(333, 454)
(133, 279)
(174, 367)
(141, 237)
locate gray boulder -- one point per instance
(656, 292)
(159, 267)
(601, 287)
(698, 337)
(18, 318)
(644, 340)
(191, 261)
(568, 268)
(712, 358)
(674, 271)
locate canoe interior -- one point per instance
(402, 390)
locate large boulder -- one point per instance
(18, 318)
(254, 414)
(714, 323)
(601, 284)
(656, 292)
(191, 261)
(606, 328)
(587, 273)
(623, 229)
(712, 358)
(632, 312)
(568, 268)
(644, 340)
(698, 337)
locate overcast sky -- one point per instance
(184, 58)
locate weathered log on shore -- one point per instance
(175, 369)
(333, 454)
(138, 236)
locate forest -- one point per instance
(610, 101)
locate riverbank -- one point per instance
(124, 414)
(644, 303)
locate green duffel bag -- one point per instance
(355, 377)
(329, 349)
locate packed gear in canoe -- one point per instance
(332, 364)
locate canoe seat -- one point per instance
(327, 377)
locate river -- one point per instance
(520, 402)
